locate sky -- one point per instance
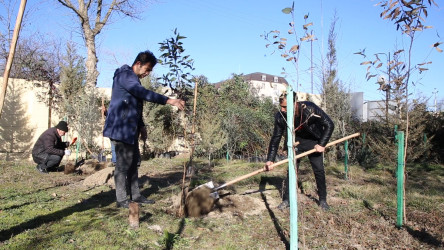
(224, 38)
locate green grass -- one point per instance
(56, 211)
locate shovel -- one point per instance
(214, 193)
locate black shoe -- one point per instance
(41, 170)
(323, 204)
(123, 204)
(285, 204)
(143, 200)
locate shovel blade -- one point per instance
(209, 185)
(214, 195)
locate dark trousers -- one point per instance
(317, 164)
(47, 161)
(126, 173)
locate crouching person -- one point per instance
(49, 148)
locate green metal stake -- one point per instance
(400, 178)
(292, 174)
(346, 159)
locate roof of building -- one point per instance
(257, 76)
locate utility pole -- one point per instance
(311, 61)
(387, 90)
(435, 107)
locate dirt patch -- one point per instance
(241, 205)
(101, 177)
(199, 203)
(69, 168)
(85, 167)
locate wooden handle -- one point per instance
(243, 177)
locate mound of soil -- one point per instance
(199, 203)
(101, 177)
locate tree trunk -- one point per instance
(91, 61)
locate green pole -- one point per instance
(400, 178)
(346, 159)
(292, 174)
(227, 157)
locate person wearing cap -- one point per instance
(313, 129)
(49, 148)
(124, 123)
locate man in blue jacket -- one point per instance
(124, 123)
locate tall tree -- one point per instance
(245, 118)
(92, 17)
(336, 99)
(79, 106)
(409, 18)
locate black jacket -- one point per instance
(50, 143)
(312, 123)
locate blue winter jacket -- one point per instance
(124, 117)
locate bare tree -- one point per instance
(290, 46)
(93, 16)
(409, 18)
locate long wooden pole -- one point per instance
(243, 177)
(194, 120)
(15, 36)
(103, 123)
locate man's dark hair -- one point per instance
(283, 97)
(146, 57)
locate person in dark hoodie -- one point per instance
(49, 148)
(313, 129)
(124, 122)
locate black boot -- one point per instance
(41, 170)
(323, 204)
(284, 205)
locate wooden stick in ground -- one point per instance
(243, 177)
(133, 215)
(103, 123)
(15, 36)
(190, 162)
(183, 195)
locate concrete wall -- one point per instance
(25, 117)
(357, 105)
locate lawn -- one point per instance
(56, 211)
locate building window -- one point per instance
(264, 77)
(276, 79)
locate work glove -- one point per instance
(67, 152)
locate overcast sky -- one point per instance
(224, 37)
